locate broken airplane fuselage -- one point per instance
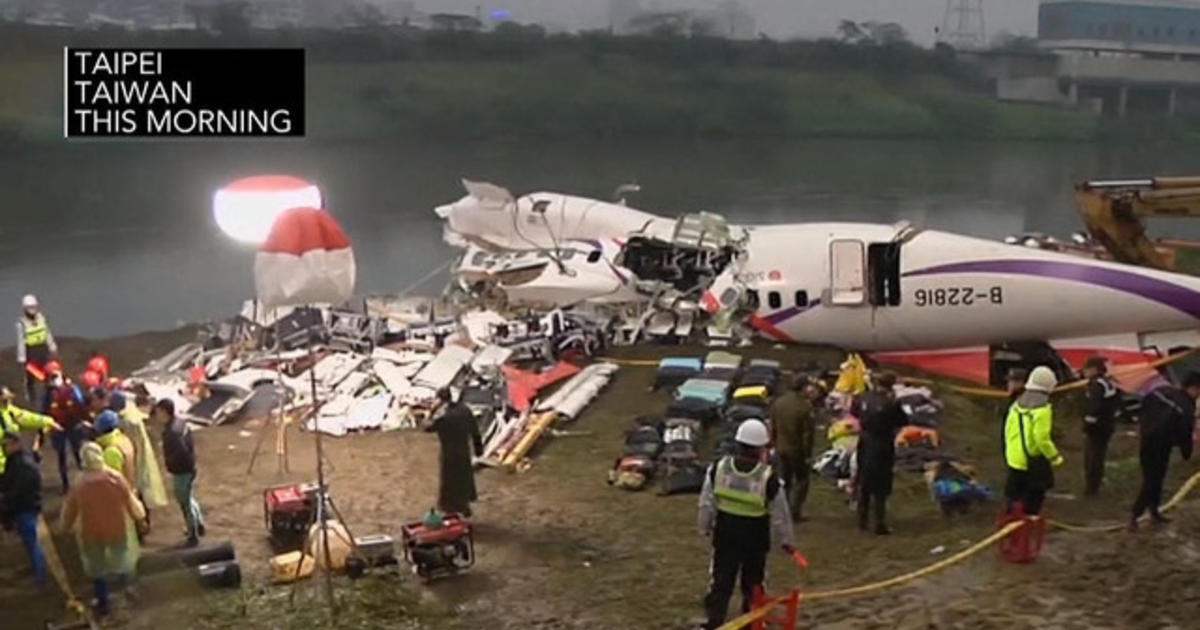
(863, 286)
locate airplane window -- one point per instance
(593, 256)
(479, 258)
(752, 299)
(774, 300)
(802, 298)
(566, 254)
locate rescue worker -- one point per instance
(1014, 383)
(91, 379)
(179, 456)
(118, 450)
(102, 511)
(66, 404)
(131, 420)
(794, 427)
(35, 348)
(1029, 451)
(98, 363)
(880, 417)
(21, 490)
(743, 510)
(1099, 421)
(458, 434)
(121, 456)
(13, 419)
(1165, 422)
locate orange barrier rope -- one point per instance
(997, 536)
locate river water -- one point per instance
(118, 237)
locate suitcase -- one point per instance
(299, 327)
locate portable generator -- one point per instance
(288, 511)
(439, 551)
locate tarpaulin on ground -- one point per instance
(969, 364)
(523, 385)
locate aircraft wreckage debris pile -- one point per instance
(379, 364)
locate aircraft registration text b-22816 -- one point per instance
(958, 296)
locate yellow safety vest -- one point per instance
(1036, 424)
(13, 419)
(741, 494)
(37, 333)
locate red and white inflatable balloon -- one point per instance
(305, 259)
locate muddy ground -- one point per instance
(558, 548)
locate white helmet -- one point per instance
(29, 301)
(752, 433)
(1041, 379)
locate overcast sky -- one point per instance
(776, 18)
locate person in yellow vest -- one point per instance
(13, 419)
(35, 348)
(119, 453)
(743, 508)
(1029, 451)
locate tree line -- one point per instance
(881, 49)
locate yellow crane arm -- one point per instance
(1112, 211)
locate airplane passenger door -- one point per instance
(847, 273)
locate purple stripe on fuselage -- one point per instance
(1167, 293)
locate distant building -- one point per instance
(1152, 27)
(621, 13)
(1111, 56)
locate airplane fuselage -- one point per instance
(811, 282)
(843, 284)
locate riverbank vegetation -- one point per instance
(517, 81)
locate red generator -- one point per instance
(288, 512)
(435, 552)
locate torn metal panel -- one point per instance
(393, 377)
(444, 368)
(175, 361)
(221, 405)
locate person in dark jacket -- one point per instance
(792, 422)
(458, 433)
(1099, 421)
(1166, 422)
(179, 457)
(744, 510)
(21, 488)
(880, 417)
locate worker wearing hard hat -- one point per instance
(1029, 450)
(744, 510)
(13, 419)
(35, 348)
(66, 404)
